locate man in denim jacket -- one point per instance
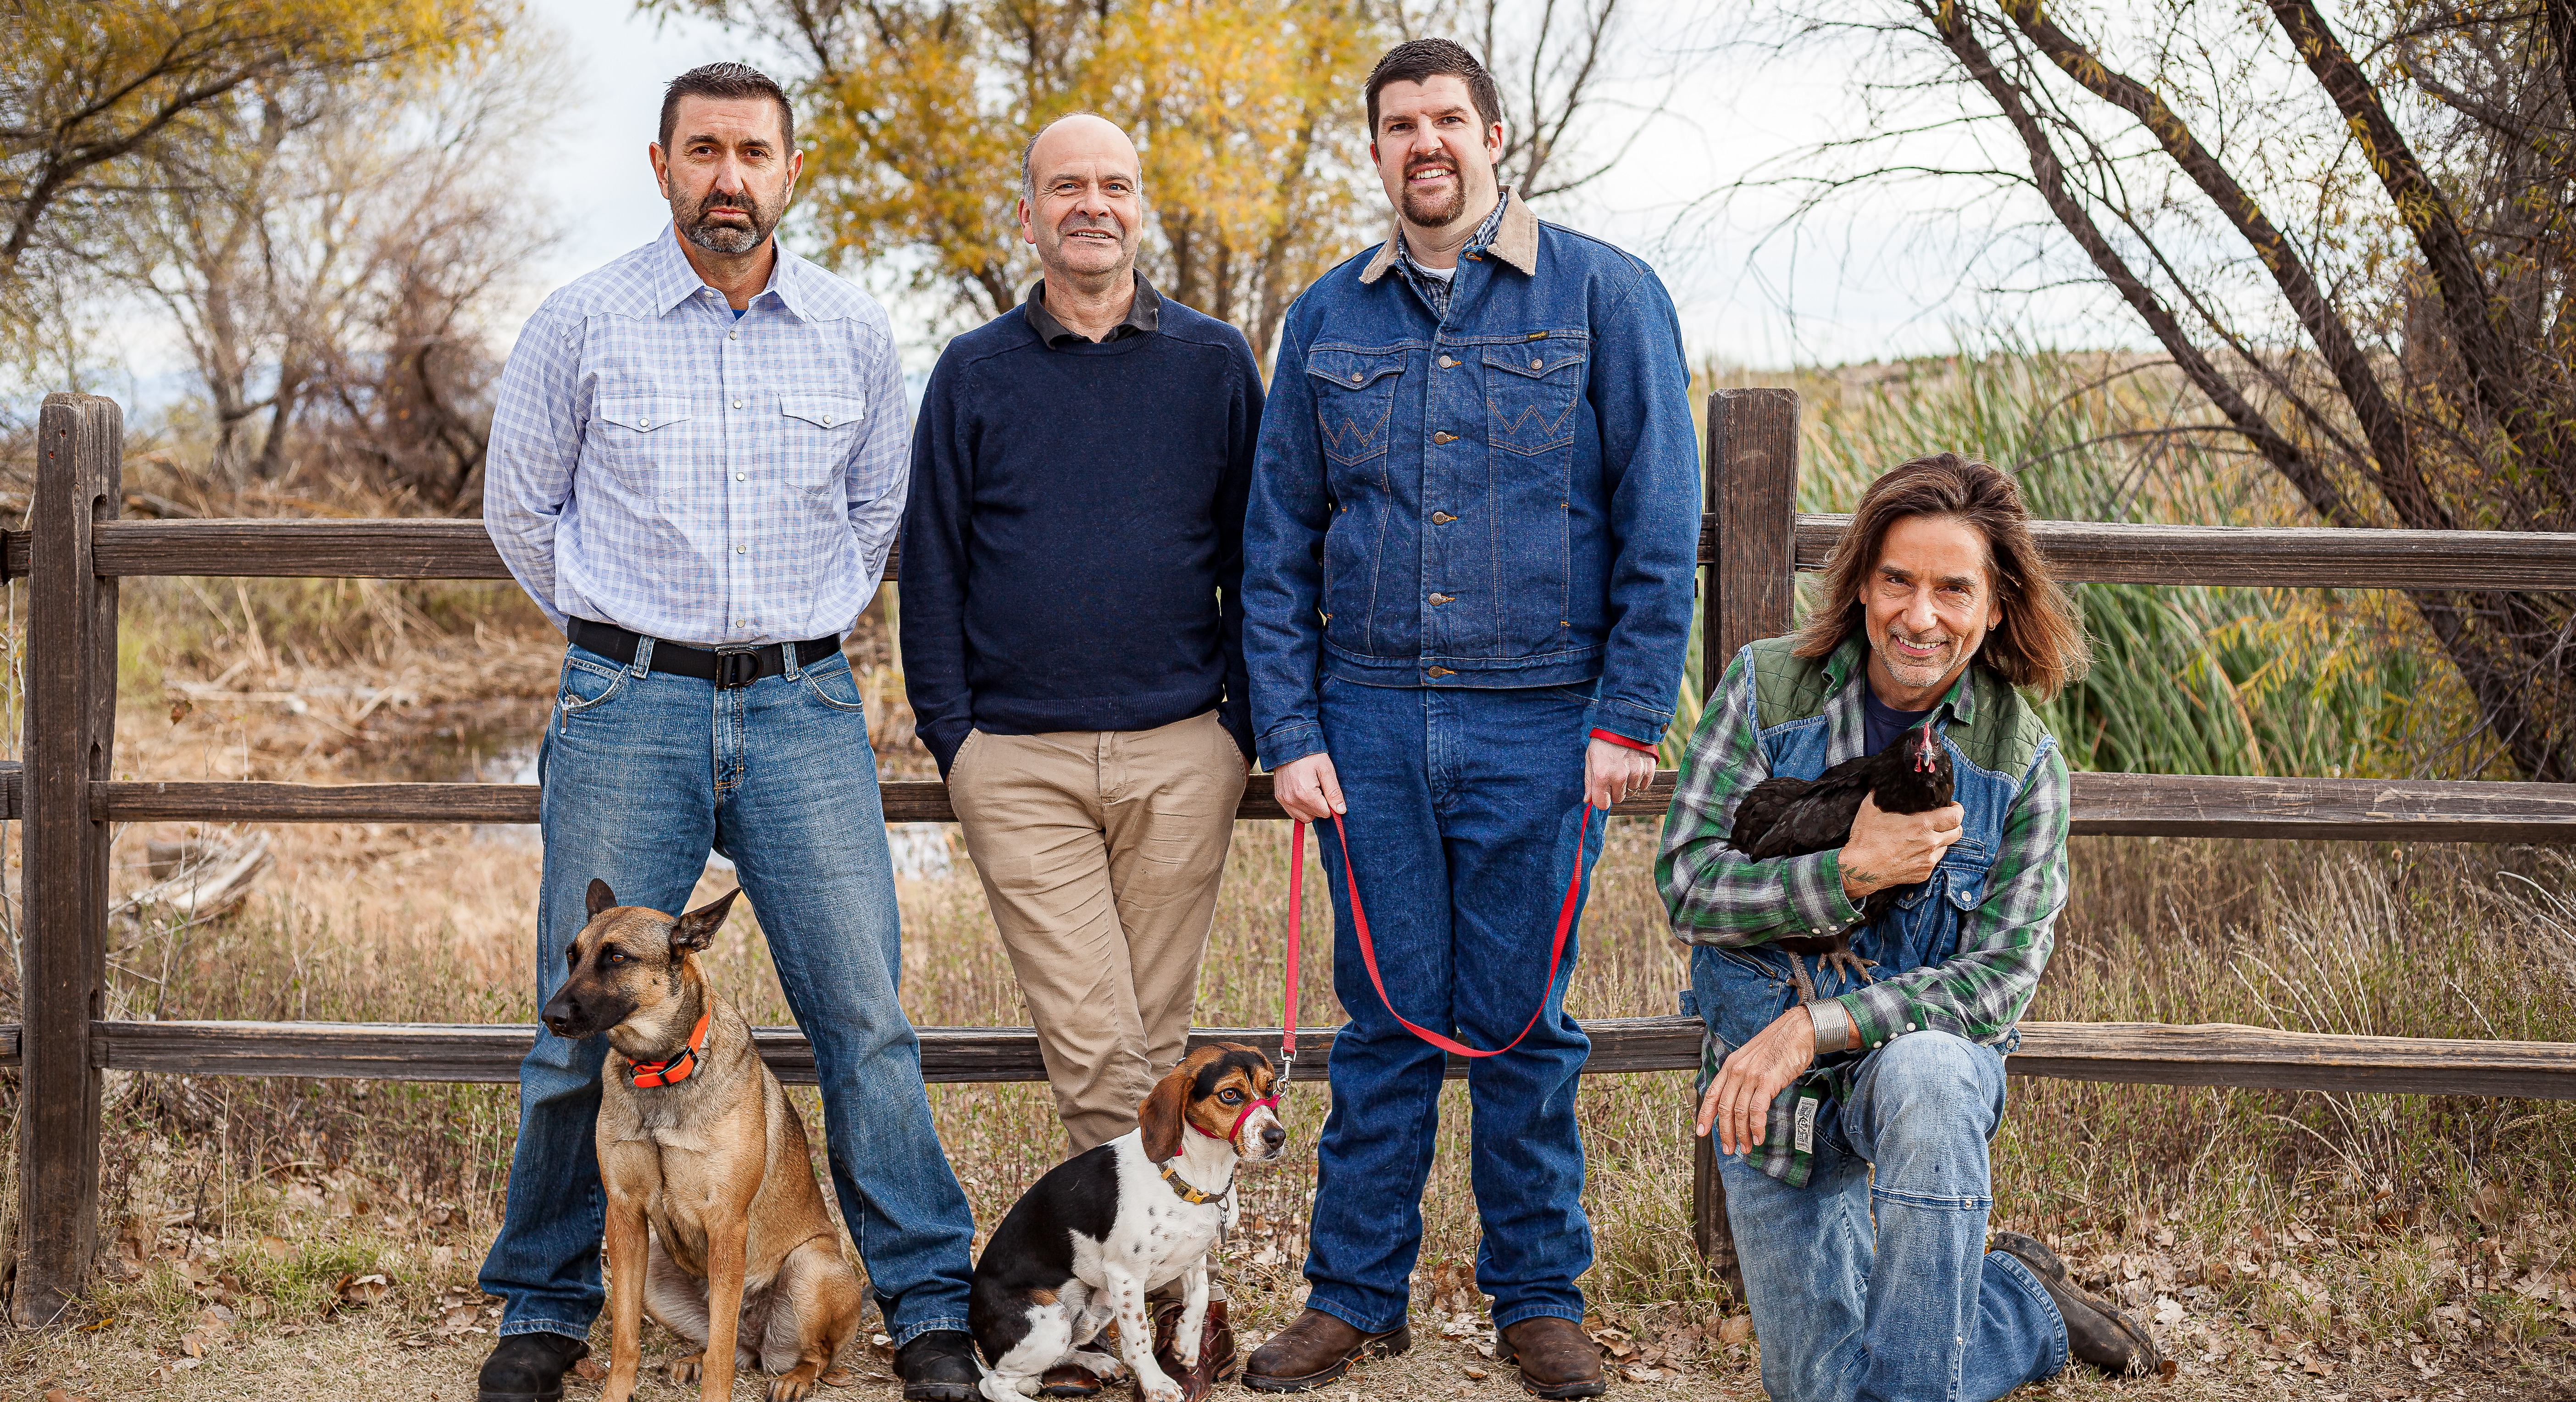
(1855, 1126)
(1468, 579)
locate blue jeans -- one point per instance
(644, 773)
(1463, 822)
(1883, 1289)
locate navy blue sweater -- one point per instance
(1073, 548)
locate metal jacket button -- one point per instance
(1438, 672)
(1441, 518)
(1533, 364)
(1447, 363)
(1444, 438)
(1441, 598)
(1355, 377)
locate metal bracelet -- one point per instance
(1834, 1028)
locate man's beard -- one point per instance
(1911, 672)
(1422, 209)
(725, 238)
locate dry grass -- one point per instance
(2289, 1245)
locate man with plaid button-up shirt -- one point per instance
(1854, 1125)
(698, 463)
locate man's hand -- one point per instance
(1612, 772)
(1308, 788)
(1895, 849)
(1740, 1099)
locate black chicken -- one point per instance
(1792, 817)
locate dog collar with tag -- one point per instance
(1188, 1194)
(651, 1075)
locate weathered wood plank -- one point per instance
(2140, 804)
(70, 731)
(2231, 1054)
(1752, 489)
(2307, 556)
(906, 801)
(2209, 1054)
(2367, 809)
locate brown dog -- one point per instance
(715, 1222)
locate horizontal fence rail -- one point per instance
(2137, 805)
(2209, 1054)
(2085, 551)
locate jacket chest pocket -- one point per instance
(1354, 401)
(1532, 389)
(1924, 926)
(642, 440)
(818, 430)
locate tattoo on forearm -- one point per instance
(1865, 878)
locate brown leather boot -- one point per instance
(1217, 1362)
(1556, 1358)
(2097, 1332)
(1314, 1349)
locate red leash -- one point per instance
(1368, 947)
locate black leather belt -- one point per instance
(727, 667)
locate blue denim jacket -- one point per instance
(1504, 497)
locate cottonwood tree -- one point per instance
(89, 90)
(2353, 241)
(1245, 114)
(324, 250)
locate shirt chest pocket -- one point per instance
(642, 440)
(819, 430)
(1532, 389)
(1354, 401)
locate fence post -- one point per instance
(1753, 493)
(70, 670)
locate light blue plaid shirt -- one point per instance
(658, 464)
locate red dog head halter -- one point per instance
(1271, 1100)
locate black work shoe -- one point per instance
(528, 1368)
(2097, 1332)
(938, 1366)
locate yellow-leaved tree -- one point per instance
(91, 91)
(1246, 113)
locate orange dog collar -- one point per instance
(651, 1075)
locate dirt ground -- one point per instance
(399, 1358)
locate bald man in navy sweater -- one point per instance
(1072, 636)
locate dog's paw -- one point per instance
(1105, 1367)
(793, 1386)
(686, 1369)
(1158, 1390)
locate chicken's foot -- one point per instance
(1851, 965)
(1798, 972)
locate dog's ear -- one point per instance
(1161, 1114)
(600, 897)
(697, 929)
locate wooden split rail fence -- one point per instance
(75, 550)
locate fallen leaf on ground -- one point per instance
(589, 1370)
(64, 1395)
(1640, 1373)
(1478, 1374)
(1736, 1330)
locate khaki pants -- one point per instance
(1100, 852)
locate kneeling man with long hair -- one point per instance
(1854, 1118)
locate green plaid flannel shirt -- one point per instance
(1718, 896)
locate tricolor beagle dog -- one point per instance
(1104, 1227)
